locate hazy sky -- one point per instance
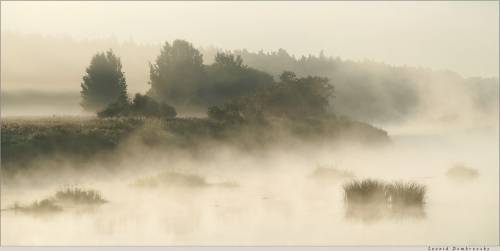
(460, 36)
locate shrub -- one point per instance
(142, 105)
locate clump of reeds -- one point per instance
(462, 173)
(406, 194)
(79, 196)
(365, 191)
(70, 196)
(370, 200)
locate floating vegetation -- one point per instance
(462, 173)
(172, 179)
(175, 179)
(406, 194)
(79, 196)
(331, 173)
(68, 197)
(45, 206)
(366, 191)
(372, 200)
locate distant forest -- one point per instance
(367, 91)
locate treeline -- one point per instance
(367, 91)
(378, 92)
(232, 91)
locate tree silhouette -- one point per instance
(177, 73)
(104, 82)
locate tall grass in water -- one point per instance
(406, 194)
(79, 196)
(371, 200)
(365, 191)
(68, 197)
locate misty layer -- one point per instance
(365, 91)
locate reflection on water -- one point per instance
(376, 212)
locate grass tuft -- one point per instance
(79, 196)
(406, 194)
(365, 191)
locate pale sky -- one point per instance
(459, 36)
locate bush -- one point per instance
(142, 105)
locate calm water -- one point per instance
(276, 201)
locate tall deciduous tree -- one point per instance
(177, 74)
(104, 82)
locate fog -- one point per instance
(275, 200)
(459, 36)
(421, 78)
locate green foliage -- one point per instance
(104, 82)
(229, 113)
(365, 90)
(292, 98)
(26, 140)
(228, 78)
(177, 73)
(142, 105)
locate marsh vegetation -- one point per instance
(225, 151)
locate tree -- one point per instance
(177, 73)
(104, 82)
(228, 78)
(291, 98)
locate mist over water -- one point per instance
(238, 124)
(274, 198)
